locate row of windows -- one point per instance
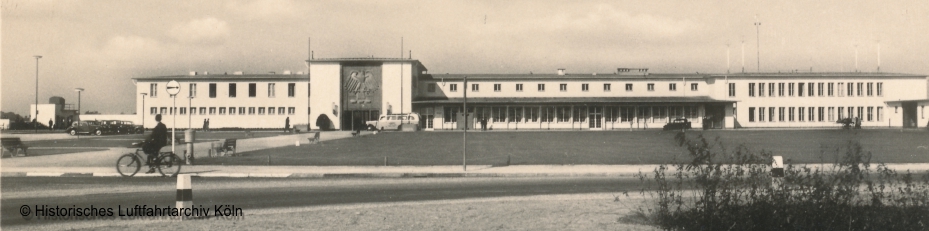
(812, 89)
(252, 90)
(521, 114)
(476, 87)
(814, 114)
(223, 110)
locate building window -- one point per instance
(841, 112)
(252, 90)
(880, 92)
(651, 87)
(851, 90)
(270, 90)
(870, 113)
(163, 111)
(771, 113)
(183, 111)
(800, 89)
(751, 114)
(790, 89)
(606, 87)
(820, 112)
(453, 87)
(780, 89)
(153, 111)
(761, 114)
(153, 90)
(671, 87)
(790, 115)
(476, 87)
(193, 90)
(241, 110)
(820, 89)
(831, 114)
(771, 90)
(860, 115)
(830, 89)
(212, 110)
(563, 87)
(222, 110)
(519, 87)
(870, 90)
(541, 87)
(232, 90)
(628, 87)
(810, 90)
(261, 111)
(430, 87)
(585, 87)
(291, 110)
(280, 110)
(498, 87)
(731, 89)
(212, 90)
(751, 89)
(693, 87)
(251, 110)
(880, 113)
(563, 113)
(800, 114)
(860, 86)
(760, 89)
(780, 114)
(231, 110)
(841, 89)
(292, 89)
(270, 110)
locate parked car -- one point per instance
(87, 127)
(394, 122)
(127, 127)
(677, 124)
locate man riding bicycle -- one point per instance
(154, 143)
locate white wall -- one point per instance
(325, 84)
(574, 88)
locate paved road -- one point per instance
(276, 193)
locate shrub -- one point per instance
(724, 189)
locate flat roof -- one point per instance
(673, 99)
(226, 77)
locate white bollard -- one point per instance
(777, 171)
(184, 192)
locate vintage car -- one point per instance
(394, 122)
(87, 127)
(127, 127)
(677, 124)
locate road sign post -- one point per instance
(173, 89)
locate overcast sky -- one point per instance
(99, 45)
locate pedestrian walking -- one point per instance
(287, 124)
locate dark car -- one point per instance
(87, 127)
(123, 127)
(677, 124)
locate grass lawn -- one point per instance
(127, 140)
(581, 147)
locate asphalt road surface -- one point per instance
(256, 193)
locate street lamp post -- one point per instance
(189, 105)
(35, 124)
(143, 112)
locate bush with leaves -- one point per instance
(723, 189)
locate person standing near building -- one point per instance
(287, 124)
(51, 124)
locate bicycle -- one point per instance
(128, 165)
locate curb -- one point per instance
(319, 175)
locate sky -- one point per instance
(100, 45)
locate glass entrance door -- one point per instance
(595, 114)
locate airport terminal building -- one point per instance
(342, 93)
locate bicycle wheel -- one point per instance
(128, 165)
(169, 165)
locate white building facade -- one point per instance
(343, 93)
